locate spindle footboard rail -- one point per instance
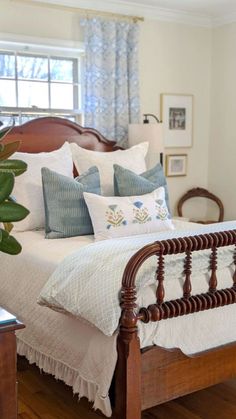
(129, 401)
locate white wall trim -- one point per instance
(37, 44)
(146, 11)
(224, 20)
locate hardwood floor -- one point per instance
(42, 397)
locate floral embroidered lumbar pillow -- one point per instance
(126, 216)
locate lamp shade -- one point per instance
(152, 133)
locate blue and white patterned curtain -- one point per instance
(111, 96)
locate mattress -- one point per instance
(71, 349)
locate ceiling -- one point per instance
(196, 12)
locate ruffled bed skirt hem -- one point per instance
(70, 376)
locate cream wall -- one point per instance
(174, 58)
(222, 147)
(39, 21)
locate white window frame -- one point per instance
(51, 48)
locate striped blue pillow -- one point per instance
(66, 212)
(128, 183)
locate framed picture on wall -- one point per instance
(176, 165)
(177, 118)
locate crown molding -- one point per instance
(224, 20)
(129, 8)
(147, 11)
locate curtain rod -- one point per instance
(81, 10)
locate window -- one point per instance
(35, 84)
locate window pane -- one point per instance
(34, 68)
(33, 94)
(61, 96)
(8, 120)
(79, 101)
(71, 118)
(7, 65)
(27, 118)
(61, 70)
(7, 93)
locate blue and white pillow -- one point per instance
(66, 212)
(128, 183)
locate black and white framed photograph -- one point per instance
(177, 115)
(176, 165)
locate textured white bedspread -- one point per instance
(87, 283)
(76, 352)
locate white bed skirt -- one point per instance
(70, 376)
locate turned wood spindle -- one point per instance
(190, 303)
(234, 277)
(160, 292)
(213, 266)
(187, 288)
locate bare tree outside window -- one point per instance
(38, 83)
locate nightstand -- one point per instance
(8, 387)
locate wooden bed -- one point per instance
(154, 375)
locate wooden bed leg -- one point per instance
(128, 367)
(128, 376)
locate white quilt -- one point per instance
(88, 282)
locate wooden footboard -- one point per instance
(156, 375)
(168, 374)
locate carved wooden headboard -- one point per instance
(50, 133)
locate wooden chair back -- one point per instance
(202, 193)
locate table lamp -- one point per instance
(150, 132)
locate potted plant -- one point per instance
(10, 211)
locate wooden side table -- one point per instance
(8, 387)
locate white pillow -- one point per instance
(28, 187)
(133, 158)
(129, 215)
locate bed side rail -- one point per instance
(188, 303)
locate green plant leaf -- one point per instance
(9, 149)
(6, 185)
(5, 131)
(9, 244)
(10, 212)
(16, 166)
